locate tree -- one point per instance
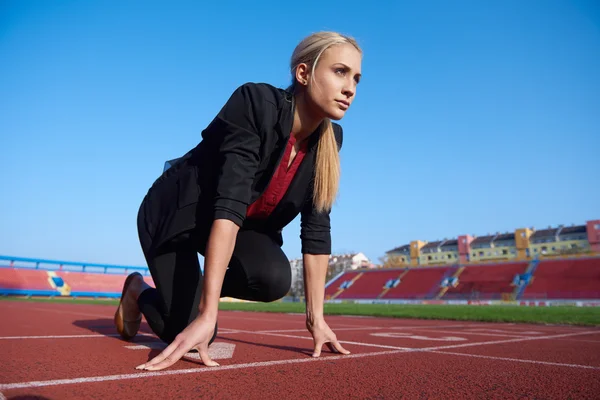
(391, 261)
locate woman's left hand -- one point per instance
(322, 334)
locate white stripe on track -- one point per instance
(341, 341)
(55, 382)
(516, 360)
(197, 370)
(358, 328)
(454, 346)
(304, 330)
(468, 333)
(67, 336)
(72, 312)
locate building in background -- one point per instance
(337, 263)
(522, 244)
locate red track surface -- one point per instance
(391, 358)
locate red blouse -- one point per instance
(279, 184)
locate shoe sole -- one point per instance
(119, 320)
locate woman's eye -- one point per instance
(340, 71)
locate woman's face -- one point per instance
(332, 87)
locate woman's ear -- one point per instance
(302, 74)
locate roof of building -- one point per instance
(452, 242)
(551, 232)
(573, 229)
(432, 245)
(505, 236)
(401, 249)
(483, 239)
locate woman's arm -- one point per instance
(197, 334)
(235, 137)
(219, 249)
(315, 271)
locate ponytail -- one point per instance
(327, 169)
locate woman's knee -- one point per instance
(264, 266)
(274, 283)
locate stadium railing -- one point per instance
(57, 265)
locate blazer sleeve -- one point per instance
(315, 227)
(236, 131)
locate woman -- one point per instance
(269, 155)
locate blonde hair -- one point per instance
(327, 165)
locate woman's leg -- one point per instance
(258, 271)
(174, 303)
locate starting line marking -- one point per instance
(67, 336)
(216, 351)
(221, 331)
(506, 331)
(197, 370)
(516, 360)
(473, 333)
(403, 335)
(516, 340)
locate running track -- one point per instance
(68, 351)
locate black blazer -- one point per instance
(232, 166)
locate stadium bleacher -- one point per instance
(37, 277)
(565, 279)
(577, 278)
(419, 283)
(486, 282)
(339, 284)
(368, 286)
(545, 279)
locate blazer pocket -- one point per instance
(188, 191)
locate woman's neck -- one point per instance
(304, 121)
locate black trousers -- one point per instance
(259, 271)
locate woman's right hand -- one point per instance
(196, 335)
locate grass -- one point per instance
(569, 315)
(564, 315)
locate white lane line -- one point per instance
(471, 333)
(2, 397)
(196, 370)
(341, 341)
(506, 331)
(216, 351)
(71, 312)
(516, 360)
(227, 331)
(580, 340)
(67, 336)
(235, 317)
(262, 364)
(304, 330)
(279, 321)
(406, 335)
(433, 327)
(506, 341)
(358, 328)
(454, 346)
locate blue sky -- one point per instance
(472, 116)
